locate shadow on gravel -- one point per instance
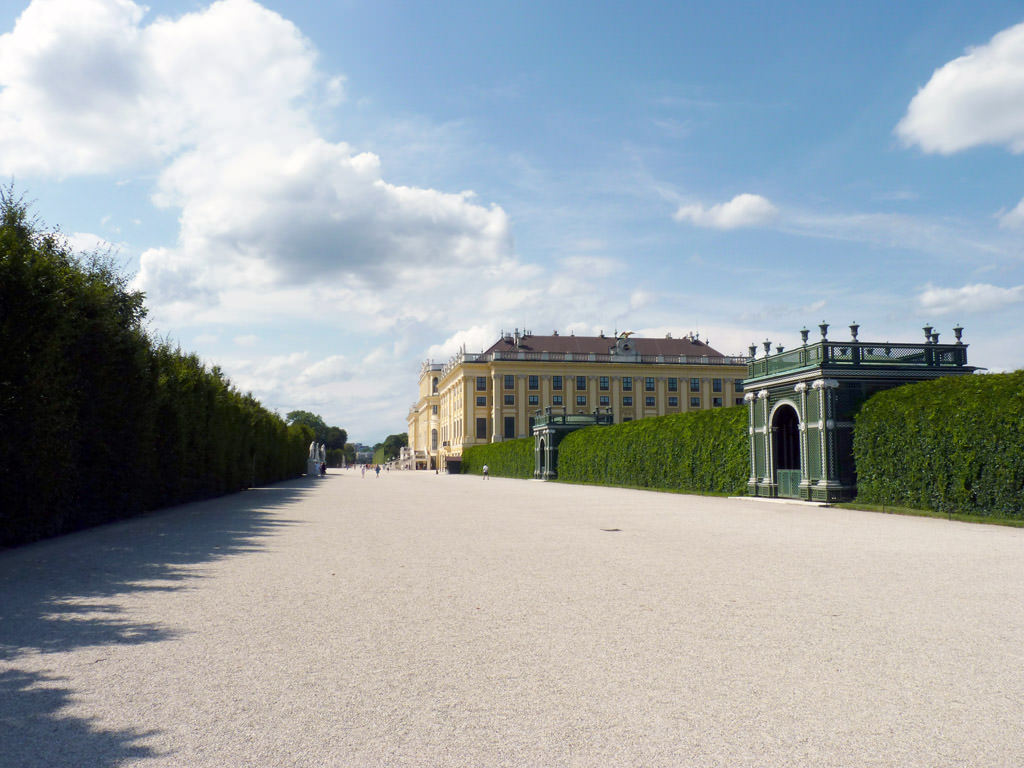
(59, 595)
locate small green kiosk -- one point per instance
(802, 402)
(553, 423)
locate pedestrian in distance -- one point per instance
(486, 471)
(377, 470)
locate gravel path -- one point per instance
(428, 620)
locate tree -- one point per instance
(311, 420)
(336, 438)
(390, 448)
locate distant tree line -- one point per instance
(390, 449)
(99, 421)
(339, 451)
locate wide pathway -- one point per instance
(430, 620)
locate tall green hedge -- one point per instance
(509, 458)
(98, 421)
(698, 452)
(951, 445)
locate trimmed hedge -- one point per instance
(955, 444)
(509, 458)
(98, 421)
(697, 452)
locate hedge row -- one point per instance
(509, 458)
(953, 444)
(98, 421)
(697, 452)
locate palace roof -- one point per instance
(668, 346)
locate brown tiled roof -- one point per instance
(601, 345)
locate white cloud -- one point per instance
(745, 210)
(1013, 219)
(975, 99)
(219, 102)
(980, 297)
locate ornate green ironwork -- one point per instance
(821, 386)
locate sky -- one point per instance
(320, 196)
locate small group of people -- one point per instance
(376, 468)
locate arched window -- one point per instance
(433, 439)
(435, 386)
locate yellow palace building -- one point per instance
(495, 395)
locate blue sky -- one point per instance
(318, 196)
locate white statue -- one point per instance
(312, 450)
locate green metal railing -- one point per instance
(859, 354)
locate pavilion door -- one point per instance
(786, 452)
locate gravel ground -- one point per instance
(428, 620)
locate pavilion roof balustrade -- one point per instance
(552, 415)
(862, 355)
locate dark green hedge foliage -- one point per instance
(509, 458)
(697, 452)
(98, 421)
(951, 445)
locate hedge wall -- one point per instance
(98, 421)
(951, 445)
(509, 458)
(697, 452)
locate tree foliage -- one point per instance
(98, 420)
(333, 437)
(391, 448)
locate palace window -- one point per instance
(556, 383)
(481, 399)
(627, 400)
(737, 384)
(510, 399)
(556, 399)
(581, 382)
(510, 381)
(695, 385)
(510, 427)
(534, 383)
(649, 384)
(627, 383)
(581, 399)
(481, 383)
(603, 383)
(695, 402)
(605, 400)
(716, 402)
(716, 385)
(673, 385)
(433, 409)
(673, 402)
(534, 400)
(649, 402)
(481, 429)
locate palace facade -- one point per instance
(495, 395)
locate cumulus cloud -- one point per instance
(980, 297)
(973, 100)
(219, 102)
(744, 210)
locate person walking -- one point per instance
(486, 470)
(377, 470)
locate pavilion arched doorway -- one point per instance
(786, 451)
